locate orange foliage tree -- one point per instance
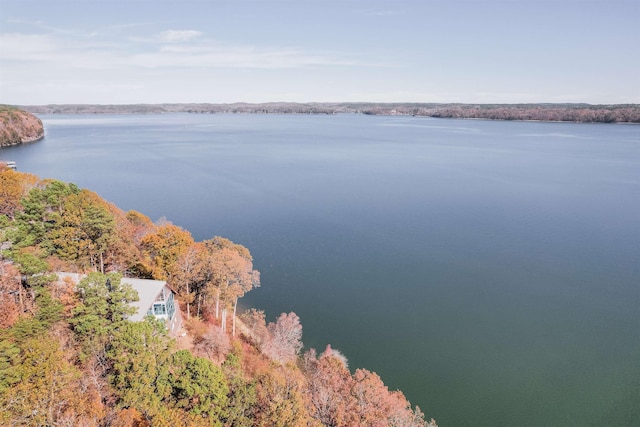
(163, 247)
(86, 229)
(281, 399)
(13, 187)
(190, 273)
(123, 253)
(329, 384)
(232, 275)
(360, 400)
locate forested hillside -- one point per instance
(18, 126)
(70, 357)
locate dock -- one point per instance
(10, 165)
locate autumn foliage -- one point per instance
(70, 357)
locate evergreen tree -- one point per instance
(104, 307)
(139, 355)
(198, 386)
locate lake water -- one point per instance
(490, 270)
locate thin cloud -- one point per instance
(177, 36)
(385, 12)
(388, 13)
(214, 55)
(40, 26)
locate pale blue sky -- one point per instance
(152, 51)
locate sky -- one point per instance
(470, 51)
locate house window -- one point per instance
(160, 297)
(159, 309)
(171, 308)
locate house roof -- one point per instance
(148, 290)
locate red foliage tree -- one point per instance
(13, 300)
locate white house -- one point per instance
(156, 299)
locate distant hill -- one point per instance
(18, 126)
(582, 113)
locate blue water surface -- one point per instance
(489, 270)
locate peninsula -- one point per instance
(18, 126)
(73, 351)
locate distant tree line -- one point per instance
(578, 113)
(582, 113)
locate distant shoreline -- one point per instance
(572, 113)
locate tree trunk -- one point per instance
(22, 307)
(188, 304)
(223, 324)
(217, 302)
(101, 263)
(233, 325)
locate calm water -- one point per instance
(490, 270)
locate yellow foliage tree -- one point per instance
(45, 391)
